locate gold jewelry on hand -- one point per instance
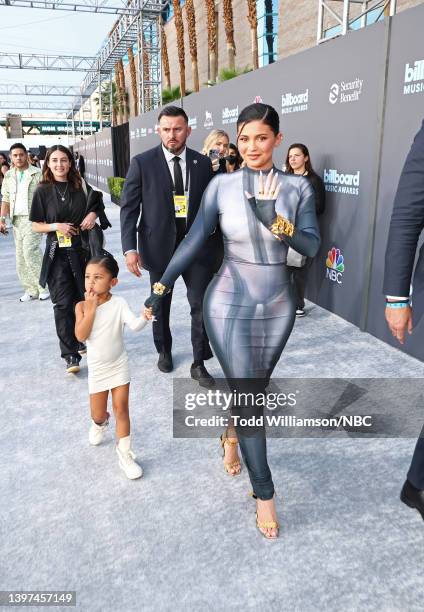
(282, 227)
(159, 289)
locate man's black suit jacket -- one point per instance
(149, 186)
(406, 225)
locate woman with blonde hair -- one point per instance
(216, 147)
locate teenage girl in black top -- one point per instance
(65, 208)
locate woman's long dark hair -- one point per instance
(305, 151)
(73, 177)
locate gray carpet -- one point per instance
(183, 537)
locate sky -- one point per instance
(28, 30)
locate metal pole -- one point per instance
(83, 118)
(111, 99)
(73, 123)
(100, 102)
(364, 16)
(320, 21)
(392, 7)
(140, 67)
(345, 24)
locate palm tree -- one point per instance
(212, 39)
(227, 6)
(191, 25)
(105, 96)
(122, 95)
(133, 73)
(165, 58)
(179, 27)
(253, 21)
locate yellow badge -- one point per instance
(180, 206)
(64, 241)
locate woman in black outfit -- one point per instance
(65, 208)
(298, 161)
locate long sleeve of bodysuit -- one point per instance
(203, 226)
(306, 237)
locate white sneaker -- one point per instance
(27, 297)
(44, 295)
(126, 459)
(97, 432)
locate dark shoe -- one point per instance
(201, 374)
(412, 497)
(82, 349)
(165, 362)
(72, 365)
(300, 312)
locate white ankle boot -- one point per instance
(126, 459)
(97, 432)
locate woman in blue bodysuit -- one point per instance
(249, 307)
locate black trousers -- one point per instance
(416, 471)
(197, 277)
(65, 292)
(299, 278)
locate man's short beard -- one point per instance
(174, 150)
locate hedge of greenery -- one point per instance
(115, 184)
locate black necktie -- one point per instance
(178, 177)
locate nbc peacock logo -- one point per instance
(335, 265)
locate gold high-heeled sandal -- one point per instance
(233, 464)
(266, 524)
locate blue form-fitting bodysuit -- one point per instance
(249, 307)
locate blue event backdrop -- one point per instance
(340, 106)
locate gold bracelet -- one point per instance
(159, 289)
(282, 227)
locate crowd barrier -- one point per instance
(356, 102)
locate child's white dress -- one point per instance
(107, 358)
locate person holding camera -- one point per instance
(216, 147)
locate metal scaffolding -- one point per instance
(12, 89)
(33, 61)
(110, 7)
(15, 105)
(140, 30)
(137, 27)
(329, 16)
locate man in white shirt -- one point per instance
(17, 190)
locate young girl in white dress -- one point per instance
(100, 321)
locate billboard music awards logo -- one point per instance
(337, 182)
(192, 122)
(346, 91)
(334, 266)
(414, 78)
(230, 115)
(294, 103)
(208, 123)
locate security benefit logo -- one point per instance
(334, 266)
(294, 102)
(414, 78)
(337, 182)
(345, 91)
(208, 122)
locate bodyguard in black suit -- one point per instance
(161, 196)
(406, 225)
